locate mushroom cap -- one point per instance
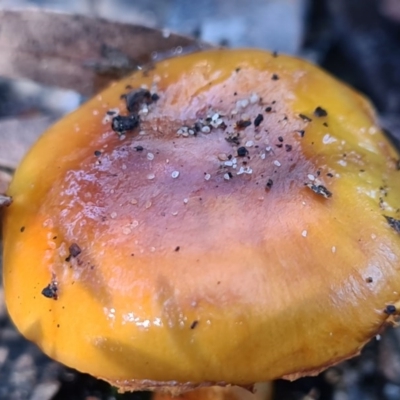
(244, 229)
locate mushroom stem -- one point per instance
(262, 391)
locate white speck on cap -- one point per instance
(126, 230)
(242, 103)
(254, 98)
(327, 139)
(372, 130)
(304, 233)
(144, 110)
(244, 170)
(175, 174)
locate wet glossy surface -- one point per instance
(192, 257)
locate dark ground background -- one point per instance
(356, 40)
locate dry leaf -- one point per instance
(5, 201)
(16, 137)
(77, 52)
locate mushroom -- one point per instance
(227, 217)
(260, 391)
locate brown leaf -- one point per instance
(5, 201)
(5, 179)
(77, 52)
(16, 137)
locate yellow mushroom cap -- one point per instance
(246, 229)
